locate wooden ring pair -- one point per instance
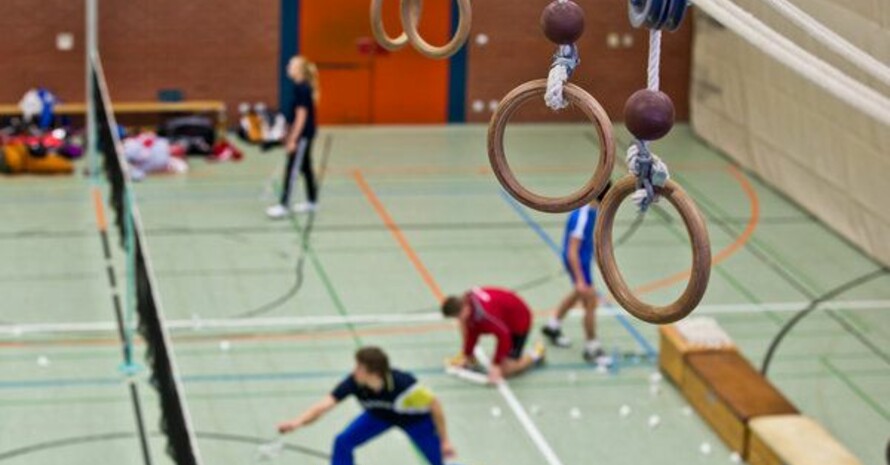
(498, 158)
(701, 253)
(410, 14)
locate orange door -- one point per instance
(359, 88)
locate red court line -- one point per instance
(397, 233)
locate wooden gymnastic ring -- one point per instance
(410, 23)
(379, 29)
(501, 167)
(701, 253)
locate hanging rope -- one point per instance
(565, 60)
(654, 68)
(649, 170)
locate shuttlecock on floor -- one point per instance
(624, 411)
(654, 421)
(705, 448)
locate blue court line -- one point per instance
(424, 372)
(644, 344)
(62, 382)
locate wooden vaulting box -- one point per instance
(673, 351)
(794, 440)
(728, 392)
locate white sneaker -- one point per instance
(277, 212)
(305, 207)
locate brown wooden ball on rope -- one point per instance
(563, 22)
(649, 114)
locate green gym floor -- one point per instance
(408, 214)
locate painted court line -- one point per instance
(503, 388)
(397, 233)
(195, 325)
(641, 340)
(521, 415)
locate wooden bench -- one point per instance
(794, 440)
(213, 107)
(728, 393)
(674, 348)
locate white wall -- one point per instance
(823, 154)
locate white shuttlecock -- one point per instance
(654, 390)
(535, 410)
(17, 331)
(481, 39)
(225, 345)
(656, 377)
(735, 457)
(654, 421)
(687, 410)
(705, 448)
(493, 105)
(575, 413)
(42, 361)
(197, 324)
(573, 376)
(624, 411)
(478, 106)
(496, 412)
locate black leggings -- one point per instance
(303, 155)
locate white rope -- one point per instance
(817, 71)
(832, 40)
(565, 60)
(654, 69)
(556, 81)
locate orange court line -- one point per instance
(728, 251)
(397, 233)
(721, 256)
(99, 207)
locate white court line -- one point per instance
(521, 415)
(285, 323)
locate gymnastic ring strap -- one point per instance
(498, 158)
(379, 29)
(410, 23)
(701, 253)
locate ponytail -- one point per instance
(300, 67)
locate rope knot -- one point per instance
(650, 172)
(565, 61)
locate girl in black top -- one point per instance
(300, 115)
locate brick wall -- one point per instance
(517, 51)
(210, 49)
(228, 50)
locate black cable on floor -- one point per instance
(305, 235)
(774, 345)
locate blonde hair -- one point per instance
(299, 66)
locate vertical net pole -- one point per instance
(91, 29)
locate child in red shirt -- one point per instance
(499, 312)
